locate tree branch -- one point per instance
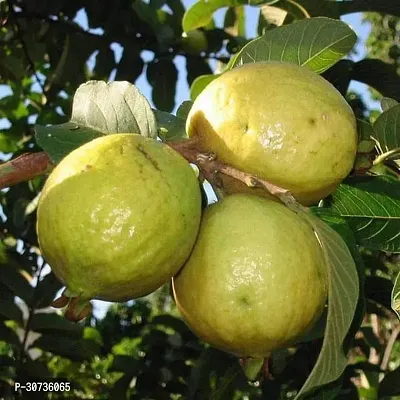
(24, 168)
(211, 167)
(30, 165)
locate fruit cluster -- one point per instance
(121, 215)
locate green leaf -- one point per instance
(60, 140)
(6, 361)
(371, 338)
(336, 8)
(339, 75)
(130, 65)
(121, 386)
(327, 392)
(93, 334)
(99, 108)
(105, 63)
(17, 283)
(380, 75)
(342, 301)
(9, 336)
(317, 43)
(184, 109)
(387, 129)
(196, 66)
(75, 349)
(390, 384)
(371, 206)
(269, 18)
(200, 83)
(162, 76)
(52, 322)
(387, 102)
(235, 21)
(170, 128)
(227, 382)
(382, 6)
(379, 290)
(114, 107)
(35, 369)
(201, 12)
(8, 141)
(123, 363)
(365, 135)
(10, 311)
(169, 321)
(314, 8)
(46, 290)
(339, 225)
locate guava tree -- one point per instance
(142, 348)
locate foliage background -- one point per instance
(142, 349)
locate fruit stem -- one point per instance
(254, 367)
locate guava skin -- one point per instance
(256, 279)
(280, 122)
(118, 217)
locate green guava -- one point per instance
(280, 122)
(256, 279)
(118, 217)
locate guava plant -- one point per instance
(306, 193)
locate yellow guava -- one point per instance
(281, 122)
(118, 217)
(194, 42)
(256, 279)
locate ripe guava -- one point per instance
(280, 122)
(194, 42)
(118, 217)
(256, 279)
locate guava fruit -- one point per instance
(280, 122)
(256, 279)
(118, 217)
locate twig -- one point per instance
(389, 347)
(24, 168)
(211, 167)
(18, 32)
(31, 165)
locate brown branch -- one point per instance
(389, 347)
(211, 167)
(31, 165)
(24, 168)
